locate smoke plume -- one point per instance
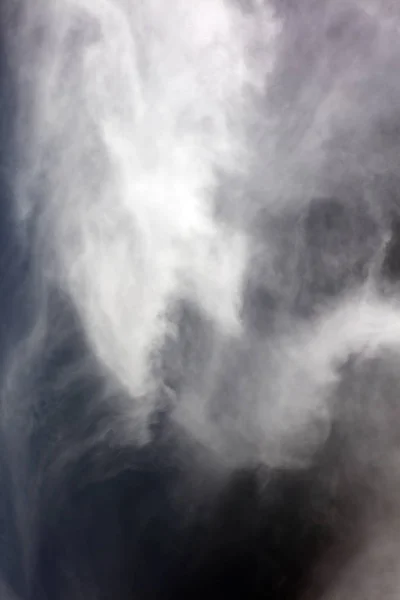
(203, 200)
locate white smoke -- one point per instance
(133, 115)
(136, 121)
(134, 110)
